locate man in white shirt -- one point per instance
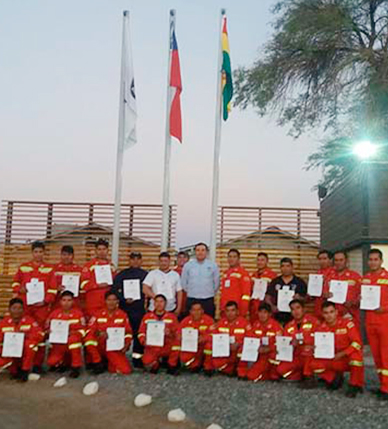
(164, 281)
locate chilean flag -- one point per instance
(176, 88)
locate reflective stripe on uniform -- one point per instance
(239, 331)
(287, 374)
(221, 329)
(175, 348)
(189, 362)
(356, 363)
(75, 346)
(246, 297)
(356, 345)
(91, 343)
(207, 352)
(118, 320)
(384, 372)
(102, 320)
(54, 291)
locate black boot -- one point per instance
(383, 396)
(23, 376)
(98, 368)
(172, 370)
(75, 372)
(353, 391)
(336, 383)
(137, 363)
(208, 373)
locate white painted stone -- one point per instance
(91, 388)
(60, 382)
(142, 400)
(33, 377)
(177, 415)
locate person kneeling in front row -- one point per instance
(20, 335)
(109, 338)
(158, 333)
(348, 353)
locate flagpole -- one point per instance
(120, 151)
(167, 149)
(217, 149)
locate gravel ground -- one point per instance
(229, 402)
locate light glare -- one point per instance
(365, 149)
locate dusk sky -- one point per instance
(59, 83)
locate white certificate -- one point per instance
(315, 285)
(284, 349)
(59, 331)
(250, 351)
(115, 340)
(103, 274)
(165, 288)
(285, 296)
(324, 345)
(71, 283)
(13, 345)
(221, 345)
(155, 333)
(339, 289)
(35, 292)
(259, 289)
(370, 297)
(189, 340)
(132, 289)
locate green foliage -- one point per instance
(325, 67)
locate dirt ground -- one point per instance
(38, 405)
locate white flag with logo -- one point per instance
(128, 111)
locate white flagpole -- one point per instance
(120, 149)
(167, 150)
(217, 149)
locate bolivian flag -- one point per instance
(226, 81)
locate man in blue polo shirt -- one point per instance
(200, 280)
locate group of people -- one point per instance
(94, 315)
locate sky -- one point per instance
(59, 84)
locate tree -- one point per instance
(325, 67)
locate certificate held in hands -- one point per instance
(339, 289)
(324, 345)
(259, 289)
(250, 351)
(13, 345)
(132, 289)
(370, 297)
(71, 283)
(284, 349)
(59, 331)
(189, 340)
(35, 292)
(285, 296)
(155, 333)
(221, 345)
(103, 274)
(115, 341)
(315, 285)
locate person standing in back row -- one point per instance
(201, 280)
(135, 308)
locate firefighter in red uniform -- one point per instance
(65, 268)
(325, 260)
(96, 339)
(348, 353)
(94, 291)
(377, 320)
(265, 274)
(351, 308)
(266, 329)
(169, 350)
(202, 323)
(301, 329)
(236, 327)
(236, 285)
(60, 354)
(18, 321)
(36, 271)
